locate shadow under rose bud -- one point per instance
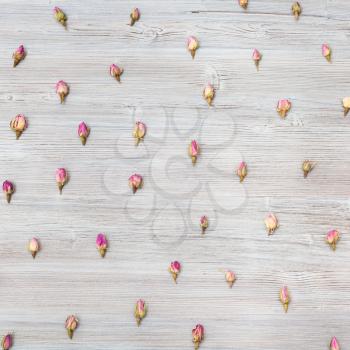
(18, 55)
(204, 223)
(193, 151)
(284, 297)
(197, 335)
(139, 132)
(18, 124)
(134, 16)
(61, 178)
(62, 90)
(60, 16)
(71, 325)
(34, 246)
(334, 344)
(83, 132)
(8, 189)
(7, 341)
(174, 269)
(101, 244)
(140, 311)
(135, 182)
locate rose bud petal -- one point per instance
(18, 55)
(101, 244)
(334, 344)
(209, 93)
(283, 107)
(243, 3)
(230, 278)
(296, 10)
(61, 178)
(115, 71)
(6, 342)
(242, 171)
(33, 246)
(193, 151)
(62, 90)
(326, 52)
(60, 16)
(197, 335)
(139, 132)
(83, 132)
(71, 325)
(256, 58)
(192, 45)
(174, 269)
(140, 311)
(284, 298)
(8, 189)
(18, 124)
(307, 167)
(346, 105)
(134, 16)
(271, 223)
(135, 182)
(332, 238)
(204, 223)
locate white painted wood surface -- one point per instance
(162, 86)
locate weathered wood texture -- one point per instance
(162, 86)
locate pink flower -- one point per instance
(71, 325)
(193, 151)
(60, 16)
(230, 278)
(283, 107)
(6, 342)
(242, 171)
(326, 52)
(8, 189)
(332, 238)
(197, 335)
(135, 182)
(83, 132)
(256, 58)
(140, 311)
(174, 269)
(61, 178)
(243, 3)
(334, 344)
(139, 132)
(296, 10)
(134, 16)
(101, 244)
(271, 223)
(284, 297)
(209, 93)
(34, 246)
(62, 90)
(18, 55)
(115, 71)
(204, 223)
(18, 124)
(192, 45)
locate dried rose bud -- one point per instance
(18, 55)
(193, 151)
(134, 16)
(61, 178)
(71, 325)
(334, 344)
(230, 278)
(296, 10)
(18, 124)
(204, 223)
(283, 107)
(33, 246)
(8, 189)
(60, 16)
(115, 71)
(174, 269)
(284, 298)
(101, 244)
(243, 3)
(140, 311)
(6, 342)
(135, 182)
(62, 90)
(192, 45)
(346, 105)
(332, 238)
(326, 52)
(307, 167)
(197, 335)
(139, 132)
(256, 58)
(209, 93)
(83, 132)
(271, 223)
(242, 171)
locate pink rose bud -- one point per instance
(174, 269)
(135, 182)
(307, 167)
(283, 107)
(209, 93)
(101, 244)
(284, 298)
(134, 16)
(60, 16)
(71, 325)
(197, 335)
(62, 90)
(230, 278)
(6, 342)
(271, 223)
(8, 189)
(192, 45)
(83, 132)
(204, 223)
(139, 132)
(140, 311)
(115, 71)
(61, 178)
(34, 246)
(18, 124)
(193, 151)
(242, 171)
(334, 344)
(346, 105)
(18, 55)
(326, 52)
(243, 3)
(296, 10)
(256, 58)
(332, 238)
